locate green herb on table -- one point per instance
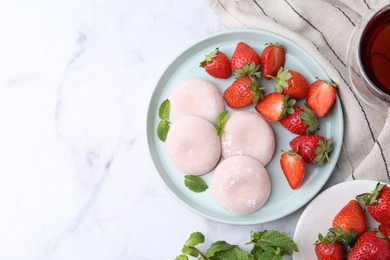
(195, 183)
(164, 124)
(267, 244)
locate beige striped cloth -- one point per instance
(323, 29)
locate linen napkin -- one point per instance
(323, 29)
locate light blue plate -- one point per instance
(283, 200)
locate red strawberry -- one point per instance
(330, 251)
(217, 64)
(377, 203)
(303, 121)
(293, 168)
(385, 229)
(371, 245)
(243, 92)
(312, 148)
(291, 82)
(321, 96)
(351, 217)
(272, 58)
(275, 106)
(243, 54)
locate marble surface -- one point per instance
(77, 181)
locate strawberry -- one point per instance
(351, 217)
(377, 203)
(272, 58)
(302, 121)
(243, 92)
(321, 96)
(291, 82)
(275, 106)
(313, 148)
(384, 229)
(217, 64)
(370, 245)
(243, 54)
(293, 168)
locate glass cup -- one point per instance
(368, 59)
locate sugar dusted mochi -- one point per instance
(196, 97)
(193, 145)
(248, 133)
(240, 184)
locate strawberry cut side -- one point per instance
(293, 168)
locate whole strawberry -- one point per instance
(217, 64)
(243, 92)
(351, 217)
(272, 59)
(275, 106)
(314, 149)
(329, 247)
(385, 229)
(243, 54)
(371, 245)
(293, 168)
(321, 96)
(302, 122)
(377, 203)
(291, 82)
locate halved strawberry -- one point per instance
(243, 92)
(302, 122)
(313, 148)
(243, 54)
(275, 106)
(293, 168)
(272, 58)
(321, 96)
(291, 82)
(217, 64)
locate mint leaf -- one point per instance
(189, 250)
(217, 247)
(181, 257)
(163, 129)
(163, 111)
(232, 254)
(195, 183)
(272, 241)
(221, 121)
(195, 238)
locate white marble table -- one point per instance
(77, 181)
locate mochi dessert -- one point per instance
(240, 184)
(193, 145)
(248, 133)
(196, 97)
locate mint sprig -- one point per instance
(267, 244)
(195, 183)
(164, 124)
(221, 121)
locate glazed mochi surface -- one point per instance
(248, 133)
(196, 97)
(193, 145)
(240, 184)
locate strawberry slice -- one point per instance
(291, 82)
(302, 122)
(244, 54)
(314, 149)
(243, 92)
(217, 64)
(275, 106)
(272, 58)
(321, 96)
(293, 168)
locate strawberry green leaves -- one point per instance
(164, 124)
(267, 244)
(195, 183)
